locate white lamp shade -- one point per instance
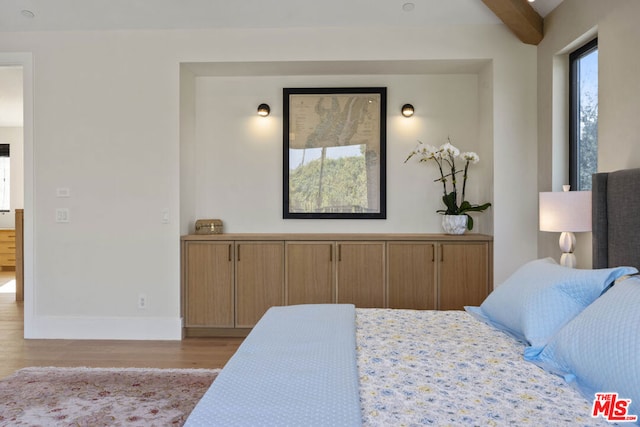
(565, 211)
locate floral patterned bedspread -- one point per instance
(445, 368)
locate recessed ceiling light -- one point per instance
(27, 13)
(408, 7)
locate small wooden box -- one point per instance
(208, 226)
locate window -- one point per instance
(5, 178)
(583, 116)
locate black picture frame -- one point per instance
(334, 153)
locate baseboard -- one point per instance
(104, 328)
(215, 332)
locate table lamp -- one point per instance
(566, 212)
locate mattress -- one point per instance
(447, 368)
(321, 365)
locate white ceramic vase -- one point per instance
(454, 224)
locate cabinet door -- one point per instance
(360, 273)
(209, 284)
(411, 275)
(259, 280)
(464, 275)
(309, 272)
(7, 248)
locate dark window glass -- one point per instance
(5, 178)
(583, 106)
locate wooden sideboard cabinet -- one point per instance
(411, 281)
(360, 274)
(438, 275)
(335, 272)
(230, 280)
(310, 272)
(208, 293)
(259, 280)
(7, 248)
(464, 274)
(229, 285)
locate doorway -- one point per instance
(12, 169)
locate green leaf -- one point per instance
(449, 201)
(469, 223)
(467, 207)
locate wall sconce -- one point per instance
(566, 212)
(263, 110)
(407, 110)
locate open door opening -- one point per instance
(11, 179)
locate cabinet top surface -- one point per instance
(470, 237)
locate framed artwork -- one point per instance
(334, 153)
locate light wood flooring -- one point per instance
(16, 352)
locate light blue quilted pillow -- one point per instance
(599, 350)
(541, 297)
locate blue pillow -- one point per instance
(599, 350)
(541, 297)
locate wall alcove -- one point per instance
(231, 159)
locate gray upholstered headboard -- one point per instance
(616, 218)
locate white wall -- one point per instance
(619, 89)
(107, 126)
(239, 163)
(572, 24)
(13, 137)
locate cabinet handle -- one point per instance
(441, 253)
(330, 253)
(229, 252)
(238, 252)
(433, 253)
(339, 253)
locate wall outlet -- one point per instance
(142, 301)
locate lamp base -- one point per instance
(567, 243)
(568, 259)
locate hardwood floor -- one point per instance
(16, 352)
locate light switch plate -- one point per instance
(63, 192)
(62, 215)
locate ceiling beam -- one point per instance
(519, 17)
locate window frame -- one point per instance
(574, 105)
(5, 152)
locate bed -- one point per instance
(535, 352)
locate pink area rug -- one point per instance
(101, 396)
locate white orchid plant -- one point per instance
(445, 157)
